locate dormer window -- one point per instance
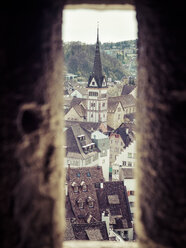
(84, 186)
(88, 174)
(90, 202)
(78, 174)
(80, 203)
(75, 187)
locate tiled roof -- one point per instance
(125, 100)
(75, 145)
(69, 232)
(89, 126)
(112, 104)
(94, 234)
(90, 176)
(77, 101)
(93, 231)
(81, 111)
(127, 89)
(119, 211)
(83, 91)
(69, 212)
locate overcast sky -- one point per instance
(114, 26)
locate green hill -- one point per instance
(79, 60)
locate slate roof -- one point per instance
(97, 68)
(127, 89)
(81, 111)
(75, 146)
(121, 130)
(118, 207)
(112, 105)
(130, 116)
(94, 231)
(125, 100)
(83, 91)
(89, 126)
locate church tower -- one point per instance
(97, 91)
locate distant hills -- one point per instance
(79, 59)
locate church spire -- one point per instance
(97, 68)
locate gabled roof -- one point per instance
(75, 145)
(125, 100)
(127, 89)
(121, 130)
(77, 101)
(89, 126)
(95, 174)
(80, 110)
(112, 105)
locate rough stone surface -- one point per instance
(31, 189)
(161, 124)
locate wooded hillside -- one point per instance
(79, 59)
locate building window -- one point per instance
(84, 186)
(131, 204)
(124, 163)
(80, 203)
(91, 115)
(119, 109)
(97, 185)
(129, 155)
(93, 93)
(78, 174)
(118, 117)
(131, 192)
(90, 202)
(103, 105)
(88, 174)
(125, 235)
(129, 164)
(75, 187)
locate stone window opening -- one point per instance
(154, 22)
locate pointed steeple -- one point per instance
(97, 68)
